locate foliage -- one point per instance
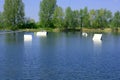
(85, 15)
(53, 16)
(47, 8)
(29, 23)
(1, 20)
(92, 18)
(68, 18)
(75, 21)
(116, 19)
(14, 13)
(58, 17)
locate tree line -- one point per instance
(53, 16)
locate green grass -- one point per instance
(59, 30)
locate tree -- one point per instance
(58, 17)
(107, 18)
(1, 19)
(2, 25)
(102, 18)
(85, 15)
(92, 17)
(14, 13)
(81, 18)
(68, 18)
(98, 18)
(29, 23)
(47, 8)
(116, 19)
(76, 20)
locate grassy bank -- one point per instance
(41, 29)
(96, 30)
(69, 30)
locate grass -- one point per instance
(96, 30)
(41, 29)
(77, 29)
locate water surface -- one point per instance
(59, 56)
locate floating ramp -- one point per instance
(27, 37)
(41, 33)
(97, 37)
(84, 34)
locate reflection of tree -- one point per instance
(14, 37)
(10, 38)
(48, 55)
(97, 46)
(13, 60)
(116, 33)
(13, 56)
(116, 39)
(49, 41)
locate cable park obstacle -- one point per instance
(27, 37)
(97, 37)
(41, 33)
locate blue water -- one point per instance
(59, 56)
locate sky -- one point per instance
(32, 6)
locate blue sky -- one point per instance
(32, 6)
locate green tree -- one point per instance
(72, 18)
(86, 22)
(58, 17)
(102, 18)
(107, 17)
(81, 18)
(47, 8)
(14, 13)
(92, 18)
(98, 19)
(76, 20)
(1, 19)
(68, 18)
(116, 19)
(29, 23)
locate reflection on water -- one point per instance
(27, 43)
(27, 38)
(14, 38)
(12, 57)
(97, 42)
(97, 46)
(13, 63)
(59, 56)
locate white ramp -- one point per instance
(41, 33)
(84, 34)
(97, 37)
(27, 37)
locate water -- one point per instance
(59, 56)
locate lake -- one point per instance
(59, 56)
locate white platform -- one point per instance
(97, 42)
(84, 34)
(41, 33)
(97, 37)
(27, 37)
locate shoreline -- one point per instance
(105, 30)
